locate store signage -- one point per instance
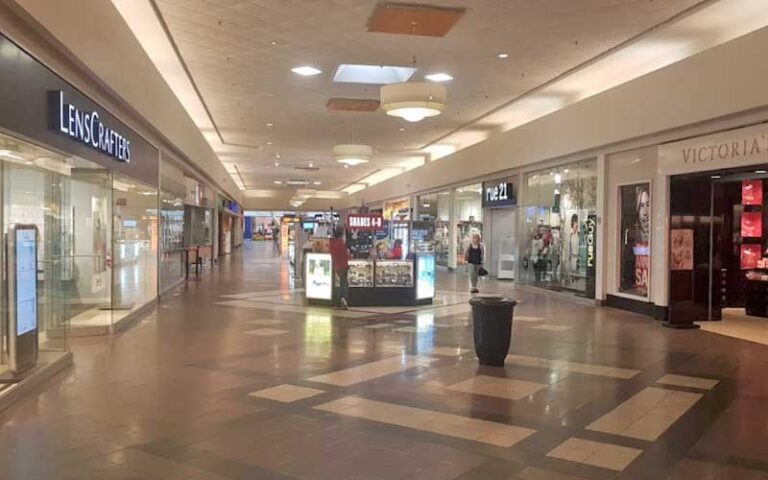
(365, 222)
(745, 146)
(86, 127)
(499, 193)
(591, 227)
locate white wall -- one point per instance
(720, 82)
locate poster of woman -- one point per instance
(635, 238)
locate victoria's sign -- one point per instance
(365, 222)
(86, 127)
(744, 146)
(499, 193)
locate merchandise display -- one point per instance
(360, 273)
(394, 273)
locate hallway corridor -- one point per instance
(234, 378)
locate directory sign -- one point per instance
(22, 296)
(425, 280)
(319, 284)
(26, 281)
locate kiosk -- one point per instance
(374, 283)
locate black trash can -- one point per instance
(492, 328)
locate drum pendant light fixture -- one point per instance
(413, 101)
(352, 154)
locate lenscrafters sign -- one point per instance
(499, 193)
(744, 146)
(86, 127)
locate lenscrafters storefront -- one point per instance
(88, 185)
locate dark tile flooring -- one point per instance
(170, 398)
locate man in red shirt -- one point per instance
(340, 260)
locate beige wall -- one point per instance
(717, 83)
(88, 44)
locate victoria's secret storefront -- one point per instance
(691, 242)
(89, 184)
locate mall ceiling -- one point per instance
(240, 53)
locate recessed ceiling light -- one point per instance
(311, 164)
(306, 71)
(714, 177)
(269, 143)
(503, 55)
(278, 182)
(346, 165)
(277, 164)
(270, 124)
(402, 129)
(439, 77)
(761, 171)
(273, 43)
(317, 183)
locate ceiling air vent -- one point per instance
(414, 19)
(306, 168)
(352, 104)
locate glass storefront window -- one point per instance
(468, 211)
(559, 202)
(135, 226)
(171, 239)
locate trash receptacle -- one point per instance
(492, 328)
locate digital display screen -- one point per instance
(26, 281)
(319, 276)
(425, 280)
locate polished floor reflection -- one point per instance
(234, 378)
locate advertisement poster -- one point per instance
(750, 254)
(26, 281)
(752, 224)
(682, 249)
(635, 241)
(425, 281)
(752, 192)
(360, 273)
(319, 281)
(99, 222)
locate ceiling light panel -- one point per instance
(372, 74)
(439, 77)
(306, 71)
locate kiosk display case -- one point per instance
(394, 273)
(373, 282)
(360, 273)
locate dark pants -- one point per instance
(343, 283)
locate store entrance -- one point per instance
(718, 260)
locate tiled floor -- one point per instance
(234, 378)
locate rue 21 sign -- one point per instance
(499, 193)
(86, 127)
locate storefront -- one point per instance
(435, 208)
(690, 229)
(558, 224)
(230, 226)
(501, 219)
(89, 185)
(468, 218)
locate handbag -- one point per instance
(481, 272)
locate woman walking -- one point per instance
(474, 255)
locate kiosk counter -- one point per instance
(374, 283)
